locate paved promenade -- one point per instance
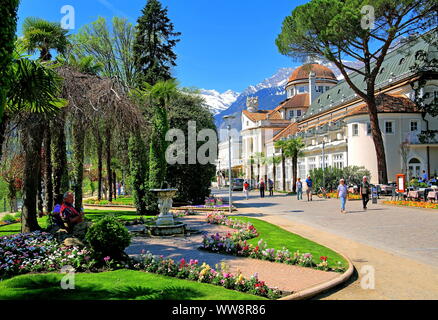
(400, 243)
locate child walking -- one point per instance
(299, 189)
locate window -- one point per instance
(327, 88)
(355, 130)
(301, 89)
(338, 160)
(326, 162)
(298, 113)
(414, 126)
(319, 89)
(312, 163)
(389, 127)
(368, 129)
(401, 61)
(381, 70)
(291, 113)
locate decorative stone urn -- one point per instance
(165, 201)
(165, 224)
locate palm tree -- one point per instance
(291, 148)
(275, 161)
(33, 93)
(45, 36)
(258, 158)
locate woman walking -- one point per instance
(299, 186)
(262, 187)
(246, 189)
(343, 195)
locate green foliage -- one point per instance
(8, 218)
(417, 184)
(353, 176)
(160, 95)
(192, 180)
(138, 167)
(43, 35)
(110, 46)
(108, 237)
(154, 43)
(8, 27)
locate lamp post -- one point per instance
(230, 195)
(323, 162)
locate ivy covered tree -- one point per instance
(8, 27)
(154, 42)
(160, 95)
(138, 167)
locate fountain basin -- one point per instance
(156, 230)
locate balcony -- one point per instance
(424, 138)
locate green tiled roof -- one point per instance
(396, 66)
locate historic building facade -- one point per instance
(334, 123)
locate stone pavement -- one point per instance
(285, 277)
(401, 244)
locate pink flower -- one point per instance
(106, 259)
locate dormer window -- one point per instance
(381, 70)
(401, 61)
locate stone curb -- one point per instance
(319, 288)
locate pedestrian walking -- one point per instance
(342, 194)
(271, 187)
(246, 189)
(309, 183)
(262, 187)
(365, 191)
(299, 187)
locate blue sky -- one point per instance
(225, 44)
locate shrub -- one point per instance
(353, 176)
(8, 218)
(108, 238)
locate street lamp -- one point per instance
(323, 161)
(230, 196)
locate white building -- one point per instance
(333, 121)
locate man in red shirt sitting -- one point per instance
(69, 214)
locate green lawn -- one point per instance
(122, 200)
(115, 285)
(123, 215)
(278, 238)
(93, 215)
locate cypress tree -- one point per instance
(138, 167)
(154, 43)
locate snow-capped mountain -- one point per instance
(271, 93)
(218, 102)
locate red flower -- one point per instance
(323, 258)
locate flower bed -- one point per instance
(334, 195)
(38, 252)
(204, 273)
(415, 204)
(236, 244)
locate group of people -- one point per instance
(425, 179)
(342, 190)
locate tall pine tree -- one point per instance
(154, 43)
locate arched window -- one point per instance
(414, 161)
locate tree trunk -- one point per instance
(274, 173)
(31, 140)
(78, 139)
(115, 184)
(59, 161)
(294, 173)
(40, 203)
(108, 164)
(283, 170)
(99, 165)
(3, 125)
(378, 141)
(48, 182)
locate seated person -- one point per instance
(56, 217)
(69, 214)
